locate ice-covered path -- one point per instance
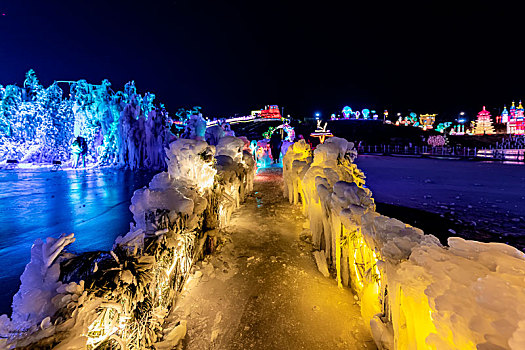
(262, 289)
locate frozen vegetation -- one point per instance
(38, 125)
(415, 292)
(121, 297)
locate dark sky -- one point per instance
(235, 56)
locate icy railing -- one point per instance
(119, 299)
(413, 292)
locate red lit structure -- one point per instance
(271, 112)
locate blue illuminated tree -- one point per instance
(32, 87)
(39, 124)
(56, 130)
(9, 106)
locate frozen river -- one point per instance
(484, 200)
(94, 204)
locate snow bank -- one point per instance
(121, 297)
(414, 293)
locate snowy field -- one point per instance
(94, 204)
(485, 200)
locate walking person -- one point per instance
(275, 146)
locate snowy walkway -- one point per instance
(262, 290)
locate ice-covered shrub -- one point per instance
(120, 298)
(414, 293)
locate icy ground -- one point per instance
(38, 203)
(483, 201)
(262, 289)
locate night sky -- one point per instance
(235, 56)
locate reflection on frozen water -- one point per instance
(94, 204)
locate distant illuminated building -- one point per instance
(512, 111)
(483, 123)
(271, 112)
(516, 123)
(504, 115)
(513, 118)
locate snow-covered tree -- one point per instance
(39, 124)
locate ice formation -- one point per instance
(195, 127)
(120, 298)
(38, 124)
(191, 160)
(231, 146)
(414, 292)
(213, 134)
(262, 154)
(39, 283)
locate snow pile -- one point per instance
(414, 292)
(101, 299)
